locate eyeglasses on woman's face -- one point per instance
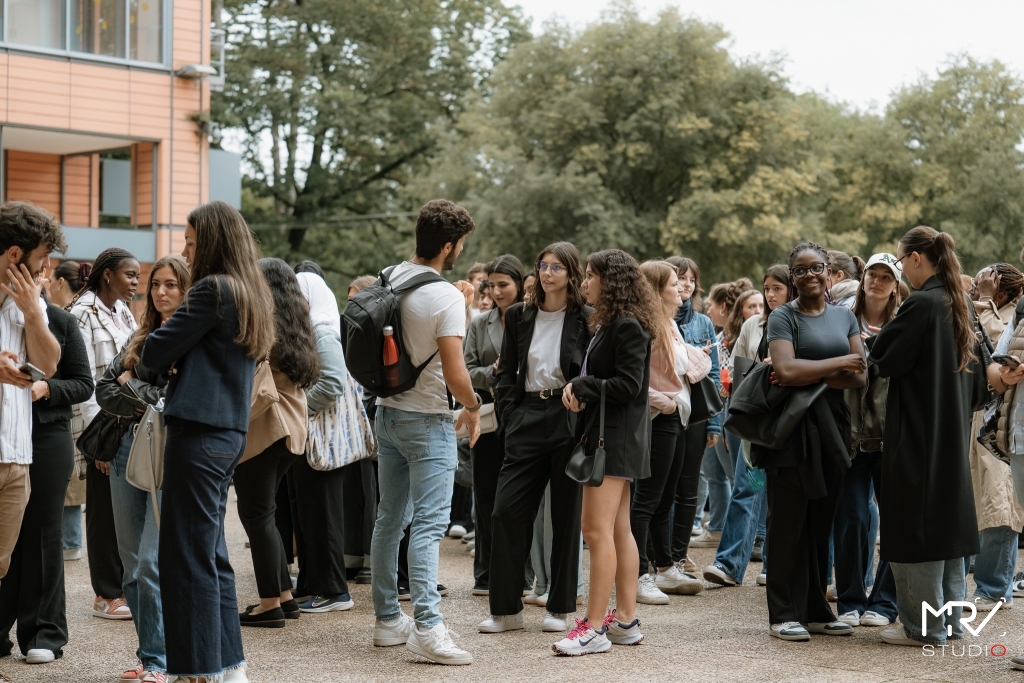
(555, 268)
(801, 271)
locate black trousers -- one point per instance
(256, 483)
(105, 568)
(32, 593)
(695, 442)
(488, 454)
(539, 438)
(462, 507)
(653, 497)
(798, 533)
(360, 511)
(320, 527)
(283, 521)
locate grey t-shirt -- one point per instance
(822, 336)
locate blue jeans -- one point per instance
(855, 544)
(197, 583)
(416, 470)
(138, 544)
(71, 524)
(743, 520)
(716, 469)
(936, 583)
(994, 565)
(540, 553)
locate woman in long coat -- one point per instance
(928, 522)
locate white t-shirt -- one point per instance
(542, 368)
(432, 311)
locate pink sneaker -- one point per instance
(132, 675)
(116, 609)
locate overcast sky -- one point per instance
(857, 51)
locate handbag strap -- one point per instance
(600, 431)
(791, 309)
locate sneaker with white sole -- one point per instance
(499, 623)
(851, 618)
(687, 566)
(986, 605)
(697, 529)
(536, 599)
(708, 539)
(1018, 585)
(469, 537)
(132, 675)
(480, 591)
(898, 636)
(762, 579)
(583, 640)
(716, 573)
(622, 634)
(675, 582)
(72, 554)
(757, 552)
(436, 645)
(39, 656)
(457, 531)
(832, 628)
(236, 675)
(554, 623)
(153, 677)
(648, 593)
(790, 630)
(1017, 663)
(116, 609)
(394, 631)
(319, 604)
(870, 618)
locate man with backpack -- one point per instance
(416, 427)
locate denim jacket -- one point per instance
(699, 332)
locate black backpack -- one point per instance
(362, 333)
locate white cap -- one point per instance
(886, 259)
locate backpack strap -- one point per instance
(416, 282)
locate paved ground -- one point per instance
(717, 636)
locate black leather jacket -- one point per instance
(867, 412)
(133, 397)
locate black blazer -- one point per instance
(213, 376)
(131, 398)
(519, 323)
(621, 355)
(72, 383)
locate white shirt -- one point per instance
(105, 333)
(16, 405)
(542, 368)
(432, 311)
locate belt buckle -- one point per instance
(544, 394)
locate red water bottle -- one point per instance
(726, 381)
(390, 358)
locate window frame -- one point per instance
(74, 55)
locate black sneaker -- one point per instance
(327, 603)
(364, 576)
(757, 554)
(273, 618)
(404, 594)
(442, 589)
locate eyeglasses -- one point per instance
(555, 268)
(903, 257)
(801, 271)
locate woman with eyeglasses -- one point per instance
(542, 351)
(810, 342)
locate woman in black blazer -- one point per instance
(32, 593)
(619, 357)
(542, 350)
(209, 346)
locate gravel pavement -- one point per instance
(717, 636)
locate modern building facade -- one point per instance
(104, 118)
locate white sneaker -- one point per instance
(236, 675)
(762, 579)
(790, 630)
(673, 581)
(870, 618)
(437, 646)
(898, 636)
(624, 634)
(39, 656)
(708, 539)
(394, 631)
(554, 623)
(536, 599)
(715, 574)
(986, 605)
(832, 628)
(647, 592)
(457, 531)
(687, 566)
(499, 623)
(72, 554)
(851, 618)
(583, 640)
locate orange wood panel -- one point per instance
(3, 86)
(94, 190)
(77, 191)
(100, 98)
(143, 184)
(34, 178)
(38, 91)
(191, 17)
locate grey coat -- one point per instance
(482, 348)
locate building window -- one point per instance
(36, 22)
(121, 29)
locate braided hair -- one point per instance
(1011, 281)
(798, 249)
(109, 259)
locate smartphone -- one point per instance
(32, 371)
(1008, 361)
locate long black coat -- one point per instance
(621, 354)
(927, 503)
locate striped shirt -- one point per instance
(16, 404)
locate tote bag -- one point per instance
(340, 434)
(145, 468)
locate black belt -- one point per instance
(545, 394)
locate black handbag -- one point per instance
(705, 401)
(982, 394)
(589, 469)
(765, 414)
(101, 438)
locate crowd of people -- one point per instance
(590, 402)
